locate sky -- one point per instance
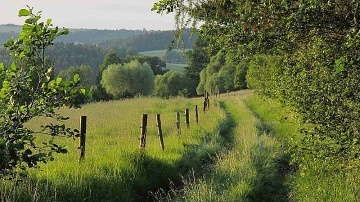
(91, 14)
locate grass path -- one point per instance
(231, 155)
(251, 169)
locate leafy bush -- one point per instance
(129, 79)
(28, 90)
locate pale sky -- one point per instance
(90, 14)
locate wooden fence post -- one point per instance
(196, 114)
(143, 131)
(207, 101)
(205, 104)
(158, 120)
(178, 123)
(187, 120)
(82, 140)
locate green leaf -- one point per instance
(27, 27)
(64, 31)
(48, 21)
(76, 77)
(58, 80)
(24, 12)
(13, 67)
(9, 43)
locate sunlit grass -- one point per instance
(310, 182)
(115, 169)
(249, 169)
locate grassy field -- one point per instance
(305, 182)
(115, 169)
(161, 54)
(173, 66)
(237, 152)
(248, 168)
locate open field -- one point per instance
(237, 152)
(173, 66)
(161, 54)
(114, 168)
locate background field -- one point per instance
(162, 54)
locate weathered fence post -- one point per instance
(208, 104)
(196, 114)
(158, 120)
(187, 119)
(178, 123)
(143, 131)
(205, 103)
(82, 139)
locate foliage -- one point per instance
(89, 47)
(157, 65)
(319, 43)
(109, 59)
(222, 74)
(177, 57)
(76, 36)
(88, 77)
(71, 54)
(170, 84)
(129, 79)
(114, 169)
(265, 71)
(256, 175)
(149, 41)
(28, 90)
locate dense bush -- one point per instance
(319, 42)
(129, 79)
(172, 83)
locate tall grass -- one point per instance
(309, 182)
(248, 170)
(115, 169)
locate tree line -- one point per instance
(34, 83)
(303, 53)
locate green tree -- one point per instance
(87, 76)
(129, 79)
(132, 50)
(172, 83)
(319, 42)
(98, 92)
(29, 90)
(157, 65)
(110, 58)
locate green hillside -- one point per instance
(175, 59)
(10, 28)
(76, 35)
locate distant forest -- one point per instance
(89, 46)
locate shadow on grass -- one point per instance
(227, 127)
(145, 174)
(272, 171)
(107, 184)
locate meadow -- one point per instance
(251, 166)
(257, 164)
(239, 151)
(162, 54)
(114, 168)
(312, 182)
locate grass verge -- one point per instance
(309, 181)
(250, 169)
